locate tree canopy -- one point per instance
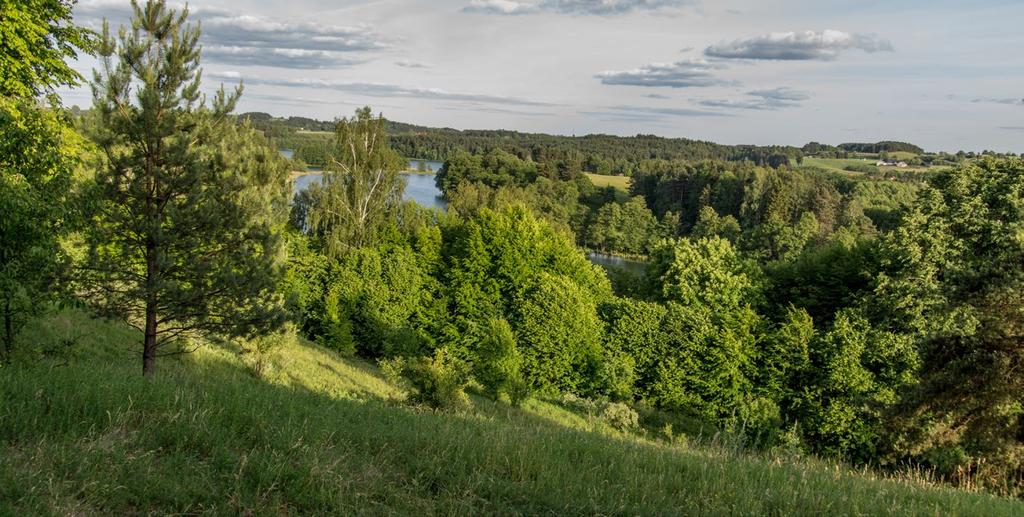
(37, 37)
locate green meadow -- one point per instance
(83, 434)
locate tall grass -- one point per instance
(322, 434)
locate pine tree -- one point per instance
(186, 237)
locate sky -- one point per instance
(946, 75)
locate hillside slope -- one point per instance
(85, 434)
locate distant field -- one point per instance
(619, 182)
(902, 155)
(840, 164)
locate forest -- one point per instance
(865, 320)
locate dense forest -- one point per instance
(598, 154)
(865, 320)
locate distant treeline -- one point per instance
(600, 154)
(882, 147)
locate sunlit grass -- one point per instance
(621, 183)
(321, 434)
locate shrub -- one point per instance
(498, 362)
(438, 381)
(258, 352)
(620, 416)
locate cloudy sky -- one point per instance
(944, 74)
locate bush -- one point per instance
(260, 350)
(617, 415)
(498, 362)
(438, 381)
(620, 416)
(633, 328)
(866, 168)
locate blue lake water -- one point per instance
(613, 262)
(418, 187)
(428, 165)
(422, 189)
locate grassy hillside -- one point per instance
(82, 433)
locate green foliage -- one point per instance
(557, 202)
(372, 301)
(707, 364)
(824, 279)
(559, 335)
(706, 272)
(620, 416)
(258, 353)
(362, 185)
(952, 278)
(37, 37)
(710, 330)
(780, 241)
(437, 381)
(784, 356)
(633, 337)
(881, 147)
(510, 265)
(625, 228)
(858, 373)
(37, 155)
(883, 201)
(188, 209)
(710, 224)
(498, 363)
(778, 213)
(496, 257)
(563, 157)
(494, 169)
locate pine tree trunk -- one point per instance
(8, 332)
(149, 344)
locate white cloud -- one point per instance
(236, 39)
(777, 98)
(687, 73)
(796, 46)
(405, 63)
(384, 90)
(1010, 101)
(577, 7)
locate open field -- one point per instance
(839, 165)
(621, 183)
(82, 433)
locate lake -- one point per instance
(428, 165)
(422, 189)
(418, 187)
(613, 262)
